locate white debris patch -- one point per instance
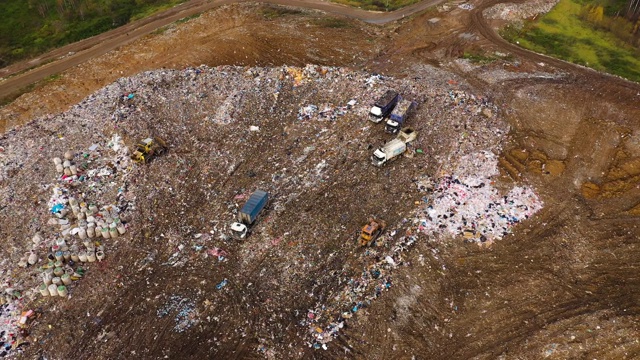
(467, 204)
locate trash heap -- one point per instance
(73, 238)
(328, 112)
(325, 321)
(231, 130)
(12, 322)
(519, 12)
(201, 245)
(186, 314)
(77, 224)
(466, 203)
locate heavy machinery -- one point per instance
(147, 149)
(399, 115)
(371, 232)
(394, 148)
(249, 213)
(383, 106)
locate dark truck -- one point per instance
(248, 214)
(383, 106)
(399, 115)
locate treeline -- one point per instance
(32, 27)
(632, 11)
(621, 19)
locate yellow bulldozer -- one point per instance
(147, 149)
(371, 231)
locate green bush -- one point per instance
(31, 27)
(569, 32)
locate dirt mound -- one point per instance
(241, 34)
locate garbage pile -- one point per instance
(301, 134)
(184, 310)
(520, 11)
(327, 112)
(75, 220)
(70, 237)
(13, 322)
(466, 203)
(325, 321)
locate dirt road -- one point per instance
(81, 51)
(478, 23)
(71, 55)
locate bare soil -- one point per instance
(563, 286)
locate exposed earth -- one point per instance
(563, 285)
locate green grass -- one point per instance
(377, 5)
(333, 23)
(478, 58)
(271, 12)
(187, 18)
(29, 28)
(562, 33)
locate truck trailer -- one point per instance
(399, 116)
(248, 214)
(394, 148)
(383, 106)
(388, 152)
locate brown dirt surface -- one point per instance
(563, 285)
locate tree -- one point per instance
(633, 10)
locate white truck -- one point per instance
(383, 106)
(394, 148)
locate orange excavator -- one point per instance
(371, 231)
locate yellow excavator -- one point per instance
(371, 231)
(147, 149)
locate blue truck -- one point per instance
(399, 115)
(248, 214)
(383, 106)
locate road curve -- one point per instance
(479, 23)
(83, 50)
(101, 44)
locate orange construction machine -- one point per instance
(371, 232)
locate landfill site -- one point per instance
(369, 194)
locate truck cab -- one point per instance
(378, 157)
(239, 230)
(398, 116)
(383, 106)
(249, 213)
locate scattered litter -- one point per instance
(222, 284)
(315, 107)
(466, 203)
(185, 311)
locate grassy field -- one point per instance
(562, 33)
(31, 27)
(377, 5)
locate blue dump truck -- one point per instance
(399, 115)
(248, 214)
(383, 106)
